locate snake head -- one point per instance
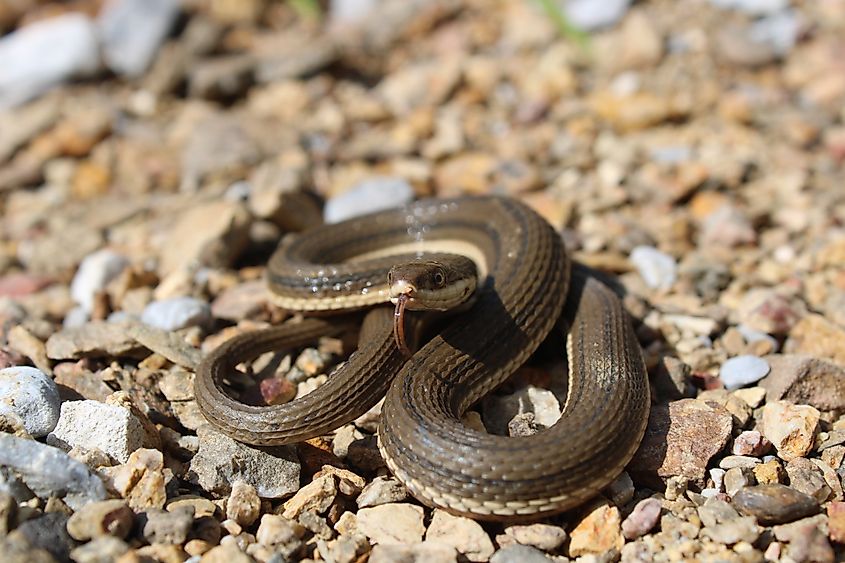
(438, 283)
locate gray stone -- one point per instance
(753, 7)
(48, 471)
(743, 370)
(774, 503)
(104, 549)
(589, 15)
(94, 339)
(48, 532)
(382, 490)
(427, 552)
(373, 194)
(658, 269)
(168, 526)
(220, 461)
(131, 32)
(520, 554)
(91, 424)
(32, 63)
(805, 380)
(30, 394)
(176, 313)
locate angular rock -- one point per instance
(774, 504)
(105, 518)
(273, 471)
(392, 523)
(598, 532)
(317, 495)
(540, 536)
(465, 535)
(243, 505)
(176, 313)
(131, 32)
(520, 554)
(658, 270)
(816, 336)
(94, 425)
(168, 526)
(48, 532)
(94, 339)
(141, 480)
(422, 551)
(790, 428)
(805, 380)
(94, 273)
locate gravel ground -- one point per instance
(148, 150)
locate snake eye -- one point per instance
(439, 278)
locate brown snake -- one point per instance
(525, 286)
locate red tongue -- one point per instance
(399, 325)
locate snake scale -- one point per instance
(527, 289)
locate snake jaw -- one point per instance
(399, 323)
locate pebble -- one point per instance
(131, 32)
(49, 532)
(94, 339)
(141, 480)
(47, 471)
(381, 490)
(621, 491)
(753, 396)
(94, 273)
(737, 479)
(818, 337)
(32, 64)
(111, 429)
(98, 550)
(806, 477)
(241, 301)
(750, 443)
(276, 530)
(642, 519)
(680, 440)
(807, 540)
(597, 532)
(769, 472)
(499, 411)
(28, 393)
(805, 380)
(743, 370)
(753, 7)
(658, 269)
(105, 518)
(317, 495)
(392, 523)
(520, 554)
(27, 344)
(176, 313)
(774, 503)
(740, 461)
(790, 428)
(243, 505)
(590, 16)
(369, 196)
(540, 536)
(168, 526)
(422, 551)
(220, 461)
(465, 535)
(836, 521)
(742, 529)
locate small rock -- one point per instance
(598, 532)
(499, 411)
(540, 536)
(94, 273)
(774, 504)
(31, 395)
(98, 519)
(226, 553)
(465, 535)
(49, 532)
(643, 518)
(165, 343)
(131, 32)
(590, 16)
(275, 530)
(672, 379)
(168, 526)
(805, 380)
(742, 370)
(241, 301)
(382, 490)
(816, 336)
(740, 461)
(243, 505)
(768, 312)
(24, 342)
(753, 396)
(658, 270)
(100, 550)
(750, 443)
(94, 339)
(680, 440)
(742, 529)
(728, 227)
(807, 539)
(520, 554)
(374, 194)
(273, 471)
(91, 424)
(737, 479)
(223, 78)
(48, 471)
(141, 480)
(423, 551)
(806, 477)
(317, 495)
(176, 313)
(621, 490)
(392, 523)
(836, 521)
(32, 64)
(770, 472)
(790, 428)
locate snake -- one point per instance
(528, 291)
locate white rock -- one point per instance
(30, 394)
(752, 7)
(465, 535)
(790, 428)
(132, 31)
(499, 410)
(46, 53)
(76, 317)
(176, 313)
(779, 30)
(350, 11)
(743, 370)
(373, 194)
(95, 271)
(92, 424)
(658, 270)
(392, 523)
(590, 14)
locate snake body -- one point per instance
(526, 287)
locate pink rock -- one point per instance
(642, 519)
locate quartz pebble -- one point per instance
(111, 429)
(465, 535)
(374, 194)
(743, 370)
(243, 505)
(590, 16)
(131, 32)
(643, 518)
(176, 313)
(658, 270)
(94, 273)
(29, 394)
(392, 523)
